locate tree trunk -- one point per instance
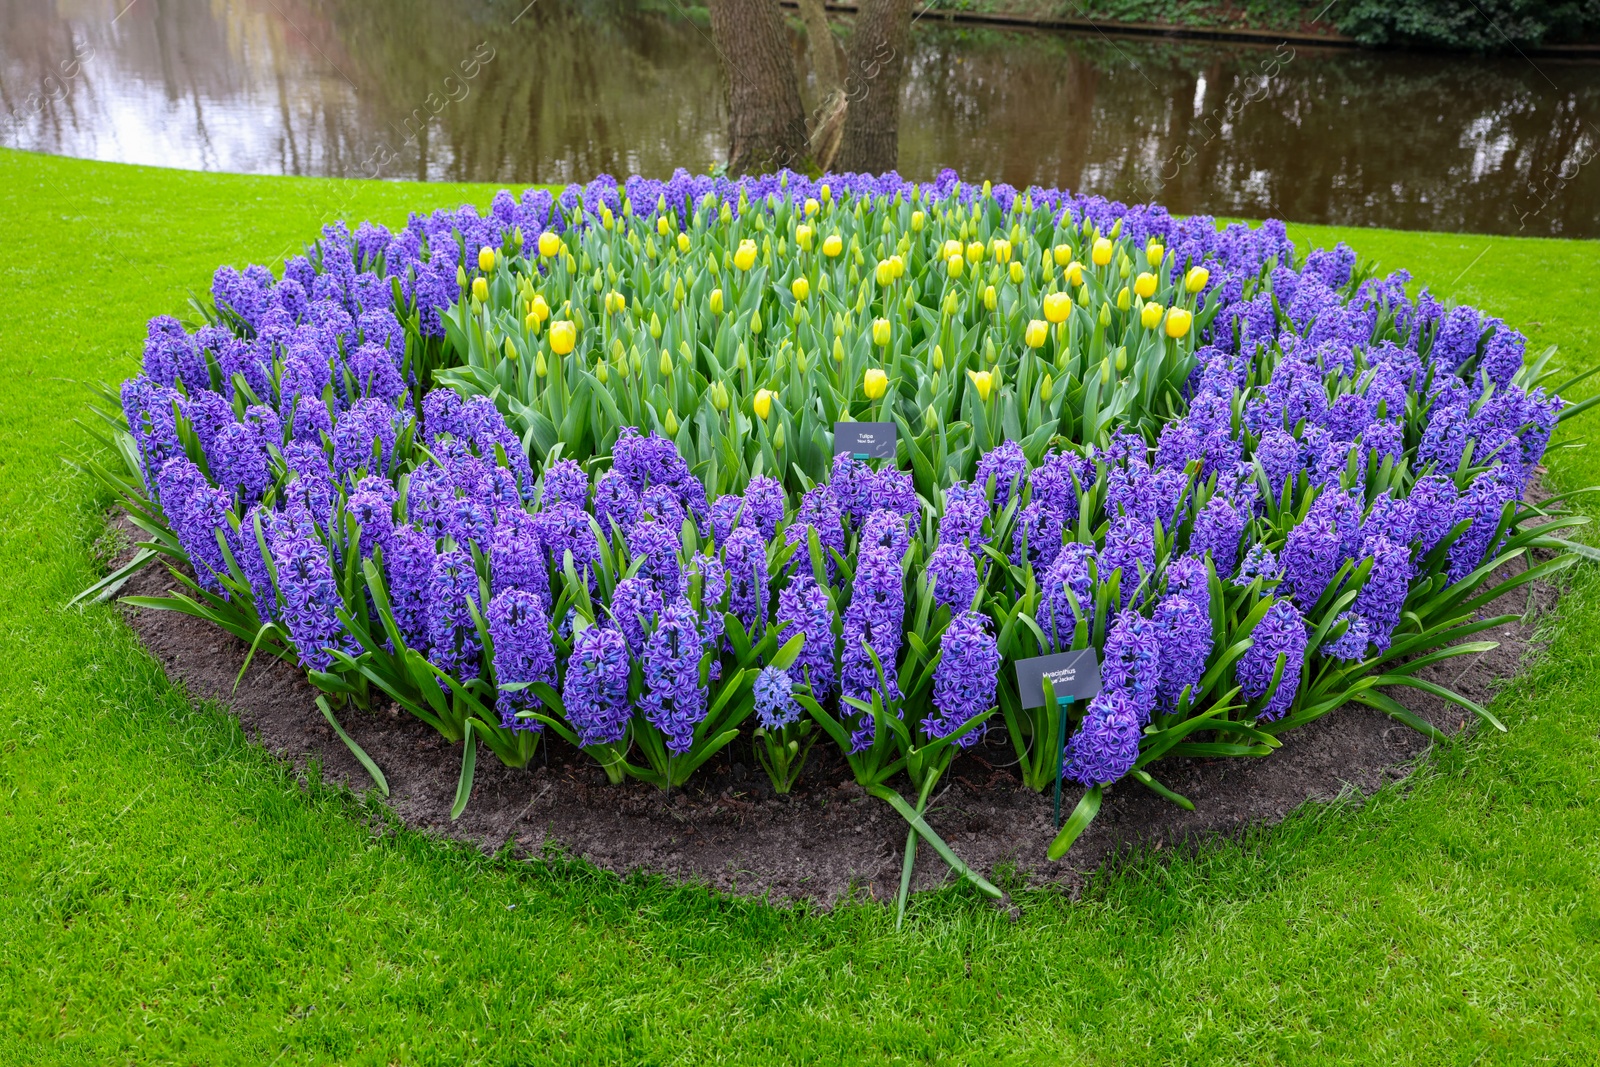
(819, 39)
(766, 123)
(878, 59)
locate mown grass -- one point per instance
(170, 894)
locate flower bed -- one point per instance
(1261, 487)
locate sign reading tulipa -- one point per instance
(564, 471)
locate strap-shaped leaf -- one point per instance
(1076, 824)
(355, 749)
(896, 801)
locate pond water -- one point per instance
(507, 91)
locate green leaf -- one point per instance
(896, 801)
(469, 761)
(1076, 824)
(355, 749)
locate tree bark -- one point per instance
(766, 122)
(882, 37)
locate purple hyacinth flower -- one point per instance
(1106, 746)
(775, 703)
(804, 606)
(763, 505)
(636, 604)
(1183, 624)
(1008, 467)
(674, 701)
(595, 692)
(1281, 632)
(310, 598)
(523, 652)
(452, 634)
(953, 573)
(964, 682)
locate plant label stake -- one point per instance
(865, 440)
(1069, 676)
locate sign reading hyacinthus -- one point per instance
(568, 468)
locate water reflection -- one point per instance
(498, 90)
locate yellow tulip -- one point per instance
(1124, 299)
(801, 288)
(539, 308)
(683, 243)
(616, 302)
(665, 366)
(745, 256)
(880, 332)
(549, 244)
(918, 219)
(826, 193)
(875, 383)
(802, 237)
(1196, 279)
(532, 322)
(1153, 252)
(1037, 333)
(1145, 285)
(832, 246)
(975, 252)
(989, 297)
(480, 289)
(1001, 250)
(1016, 273)
(716, 301)
(1101, 253)
(563, 336)
(1178, 322)
(983, 381)
(955, 264)
(950, 248)
(671, 423)
(812, 207)
(898, 265)
(1150, 317)
(763, 402)
(1057, 306)
(486, 259)
(884, 272)
(1074, 273)
(663, 227)
(1062, 254)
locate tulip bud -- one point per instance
(1196, 279)
(1057, 306)
(666, 364)
(1047, 388)
(884, 272)
(540, 367)
(1122, 358)
(875, 383)
(1037, 333)
(989, 354)
(1105, 314)
(1101, 253)
(716, 301)
(755, 321)
(778, 438)
(532, 323)
(801, 288)
(832, 246)
(811, 206)
(1150, 317)
(480, 289)
(1124, 299)
(670, 424)
(1074, 273)
(938, 358)
(917, 221)
(1154, 253)
(897, 266)
(511, 350)
(1016, 273)
(741, 357)
(563, 336)
(601, 373)
(1062, 255)
(880, 332)
(800, 361)
(950, 304)
(1178, 322)
(1105, 371)
(1145, 285)
(762, 404)
(975, 252)
(745, 257)
(549, 244)
(486, 259)
(655, 326)
(683, 243)
(461, 277)
(954, 265)
(989, 297)
(719, 396)
(635, 362)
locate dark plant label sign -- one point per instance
(865, 440)
(1074, 675)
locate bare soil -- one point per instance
(827, 840)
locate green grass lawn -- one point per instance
(170, 894)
